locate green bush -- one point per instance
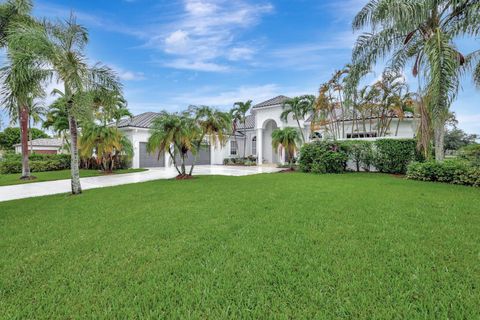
(323, 157)
(394, 155)
(471, 153)
(360, 153)
(12, 163)
(247, 161)
(448, 171)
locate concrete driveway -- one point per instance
(37, 189)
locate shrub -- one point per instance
(449, 171)
(247, 161)
(12, 163)
(323, 157)
(394, 155)
(360, 152)
(471, 153)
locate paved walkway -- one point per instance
(37, 189)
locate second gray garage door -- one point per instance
(203, 157)
(150, 160)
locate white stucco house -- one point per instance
(256, 136)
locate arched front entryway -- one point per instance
(269, 154)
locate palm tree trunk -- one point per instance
(439, 133)
(24, 141)
(74, 164)
(301, 131)
(174, 161)
(30, 138)
(183, 164)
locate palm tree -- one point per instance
(239, 111)
(62, 48)
(36, 111)
(22, 78)
(421, 32)
(103, 141)
(56, 119)
(174, 133)
(212, 124)
(299, 107)
(287, 139)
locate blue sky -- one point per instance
(171, 54)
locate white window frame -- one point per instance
(254, 146)
(233, 148)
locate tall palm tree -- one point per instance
(299, 107)
(240, 110)
(22, 78)
(62, 48)
(421, 32)
(288, 139)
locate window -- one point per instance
(361, 135)
(233, 148)
(254, 146)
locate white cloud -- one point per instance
(217, 97)
(241, 53)
(127, 75)
(206, 32)
(185, 64)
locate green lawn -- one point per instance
(11, 179)
(280, 246)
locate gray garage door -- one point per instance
(149, 160)
(203, 157)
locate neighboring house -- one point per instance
(42, 146)
(264, 118)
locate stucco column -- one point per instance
(259, 146)
(136, 154)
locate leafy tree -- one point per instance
(456, 138)
(239, 113)
(11, 136)
(299, 107)
(421, 32)
(288, 139)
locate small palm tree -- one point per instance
(174, 133)
(288, 139)
(103, 141)
(37, 113)
(212, 124)
(299, 107)
(239, 112)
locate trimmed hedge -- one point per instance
(12, 163)
(323, 157)
(448, 171)
(394, 155)
(386, 155)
